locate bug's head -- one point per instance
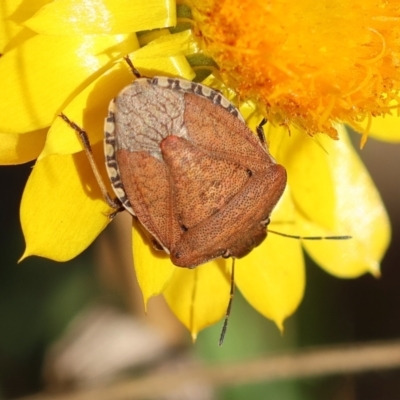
(190, 257)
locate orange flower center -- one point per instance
(307, 63)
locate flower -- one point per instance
(67, 56)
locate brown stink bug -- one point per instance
(182, 160)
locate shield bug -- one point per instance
(181, 159)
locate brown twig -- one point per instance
(306, 363)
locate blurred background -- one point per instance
(81, 324)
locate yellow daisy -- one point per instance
(305, 66)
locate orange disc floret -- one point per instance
(307, 63)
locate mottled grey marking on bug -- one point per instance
(143, 128)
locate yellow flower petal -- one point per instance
(360, 213)
(199, 297)
(153, 268)
(334, 195)
(88, 110)
(272, 276)
(309, 173)
(356, 256)
(8, 30)
(11, 35)
(62, 209)
(12, 13)
(19, 149)
(169, 45)
(44, 72)
(19, 10)
(8, 7)
(71, 17)
(164, 56)
(386, 128)
(176, 66)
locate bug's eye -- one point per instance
(226, 254)
(265, 222)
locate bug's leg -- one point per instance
(260, 132)
(117, 210)
(112, 202)
(131, 66)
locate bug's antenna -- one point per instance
(340, 237)
(228, 310)
(260, 131)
